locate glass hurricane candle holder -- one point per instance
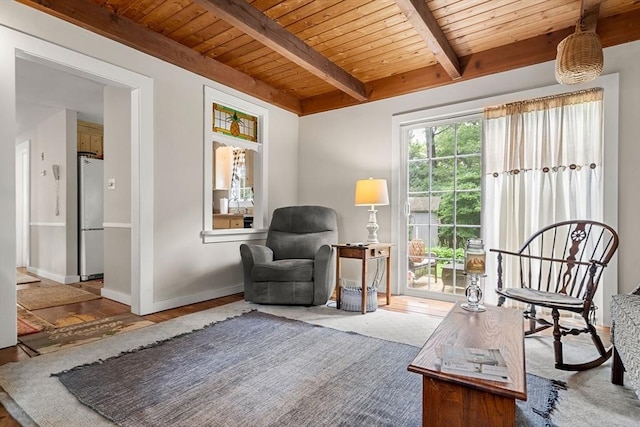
(474, 294)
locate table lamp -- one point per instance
(372, 192)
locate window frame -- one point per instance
(405, 129)
(259, 231)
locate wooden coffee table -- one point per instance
(455, 400)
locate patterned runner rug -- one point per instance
(52, 296)
(29, 323)
(70, 336)
(26, 328)
(22, 278)
(262, 370)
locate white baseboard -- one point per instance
(192, 299)
(53, 276)
(116, 296)
(157, 305)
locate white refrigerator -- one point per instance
(90, 221)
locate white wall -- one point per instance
(626, 60)
(53, 234)
(184, 269)
(8, 325)
(117, 198)
(69, 180)
(339, 147)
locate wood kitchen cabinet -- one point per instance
(221, 221)
(90, 138)
(249, 165)
(96, 145)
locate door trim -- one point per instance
(16, 44)
(23, 199)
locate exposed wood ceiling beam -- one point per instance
(260, 27)
(589, 10)
(419, 15)
(106, 23)
(613, 30)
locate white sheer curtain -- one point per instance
(542, 164)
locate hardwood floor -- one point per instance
(70, 314)
(100, 308)
(7, 420)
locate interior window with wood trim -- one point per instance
(234, 147)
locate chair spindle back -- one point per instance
(567, 257)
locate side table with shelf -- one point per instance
(365, 253)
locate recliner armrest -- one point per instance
(323, 273)
(251, 255)
(258, 254)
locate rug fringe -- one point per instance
(562, 385)
(143, 347)
(552, 400)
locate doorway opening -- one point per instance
(20, 46)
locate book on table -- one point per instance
(483, 363)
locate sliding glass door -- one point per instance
(443, 195)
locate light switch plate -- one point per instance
(111, 183)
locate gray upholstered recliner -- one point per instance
(296, 267)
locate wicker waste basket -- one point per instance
(351, 298)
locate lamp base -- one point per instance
(372, 226)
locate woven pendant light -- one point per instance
(579, 58)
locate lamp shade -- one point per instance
(372, 192)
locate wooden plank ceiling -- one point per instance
(309, 56)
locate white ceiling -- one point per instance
(42, 91)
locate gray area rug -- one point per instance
(263, 370)
(590, 398)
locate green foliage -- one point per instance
(418, 168)
(443, 252)
(446, 159)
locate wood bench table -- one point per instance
(456, 400)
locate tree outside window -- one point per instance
(445, 173)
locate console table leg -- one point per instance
(389, 278)
(365, 261)
(338, 280)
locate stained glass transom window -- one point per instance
(235, 123)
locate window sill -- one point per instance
(233, 235)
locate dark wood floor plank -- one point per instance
(7, 420)
(12, 354)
